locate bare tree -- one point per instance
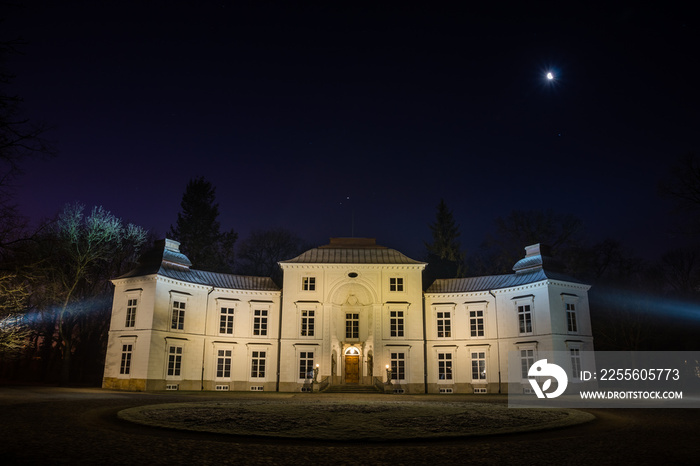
(82, 246)
(683, 187)
(504, 247)
(14, 297)
(20, 139)
(263, 249)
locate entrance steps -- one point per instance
(351, 388)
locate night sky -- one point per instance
(289, 110)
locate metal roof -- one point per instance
(166, 260)
(494, 282)
(201, 277)
(352, 251)
(218, 280)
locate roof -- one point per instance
(166, 260)
(495, 282)
(218, 280)
(352, 251)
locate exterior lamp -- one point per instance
(316, 374)
(388, 374)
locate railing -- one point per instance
(323, 384)
(377, 382)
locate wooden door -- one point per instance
(352, 369)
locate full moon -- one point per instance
(550, 76)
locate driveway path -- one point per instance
(43, 425)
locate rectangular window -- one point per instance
(571, 324)
(307, 323)
(125, 367)
(178, 322)
(260, 322)
(398, 366)
(352, 325)
(478, 365)
(396, 284)
(575, 363)
(476, 323)
(223, 364)
(131, 312)
(525, 318)
(308, 283)
(445, 366)
(226, 321)
(174, 360)
(396, 323)
(306, 365)
(527, 359)
(444, 324)
(257, 365)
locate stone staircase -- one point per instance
(351, 388)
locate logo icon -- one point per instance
(543, 369)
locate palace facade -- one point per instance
(349, 313)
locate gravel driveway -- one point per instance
(80, 426)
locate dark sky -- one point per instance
(289, 110)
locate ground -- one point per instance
(81, 426)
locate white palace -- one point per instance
(349, 313)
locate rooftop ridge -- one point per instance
(352, 243)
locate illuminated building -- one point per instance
(349, 313)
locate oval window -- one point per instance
(352, 275)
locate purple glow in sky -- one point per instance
(290, 109)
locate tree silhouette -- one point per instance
(198, 229)
(445, 257)
(80, 249)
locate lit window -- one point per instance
(226, 321)
(476, 323)
(525, 318)
(307, 323)
(398, 366)
(174, 360)
(131, 312)
(571, 323)
(257, 365)
(396, 323)
(478, 365)
(223, 364)
(575, 363)
(395, 284)
(527, 359)
(178, 316)
(445, 366)
(306, 365)
(444, 324)
(260, 322)
(308, 283)
(125, 367)
(352, 325)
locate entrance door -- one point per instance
(352, 369)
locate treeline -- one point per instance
(55, 295)
(636, 304)
(55, 290)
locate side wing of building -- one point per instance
(179, 328)
(474, 324)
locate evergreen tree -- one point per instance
(445, 257)
(198, 229)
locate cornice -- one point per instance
(307, 266)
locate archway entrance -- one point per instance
(352, 365)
